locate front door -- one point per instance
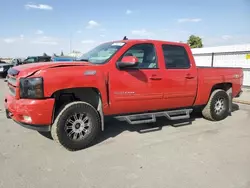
(137, 90)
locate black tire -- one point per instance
(63, 136)
(211, 110)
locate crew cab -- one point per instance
(131, 80)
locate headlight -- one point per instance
(31, 88)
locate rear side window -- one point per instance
(175, 56)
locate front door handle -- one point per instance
(189, 76)
(155, 77)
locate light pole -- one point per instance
(70, 43)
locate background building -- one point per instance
(225, 56)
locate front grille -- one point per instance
(12, 83)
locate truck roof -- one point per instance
(150, 40)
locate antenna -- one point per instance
(125, 38)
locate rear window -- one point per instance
(175, 57)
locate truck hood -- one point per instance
(28, 69)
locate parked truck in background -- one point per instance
(63, 58)
(4, 67)
(36, 59)
(132, 80)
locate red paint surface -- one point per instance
(40, 111)
(148, 89)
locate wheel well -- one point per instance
(223, 86)
(65, 96)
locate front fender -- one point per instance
(60, 78)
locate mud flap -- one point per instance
(99, 109)
(229, 93)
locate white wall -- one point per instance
(231, 48)
(235, 56)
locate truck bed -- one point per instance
(209, 67)
(210, 76)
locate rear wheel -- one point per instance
(76, 126)
(217, 107)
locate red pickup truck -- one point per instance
(133, 80)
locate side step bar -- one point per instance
(151, 117)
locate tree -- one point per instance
(195, 42)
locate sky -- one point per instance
(52, 26)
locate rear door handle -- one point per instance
(155, 77)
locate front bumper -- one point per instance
(40, 128)
(29, 113)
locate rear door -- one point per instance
(135, 90)
(180, 76)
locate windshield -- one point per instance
(102, 53)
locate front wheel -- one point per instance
(76, 126)
(217, 107)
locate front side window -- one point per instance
(146, 55)
(175, 56)
(102, 53)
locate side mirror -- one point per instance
(128, 62)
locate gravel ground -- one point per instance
(197, 154)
